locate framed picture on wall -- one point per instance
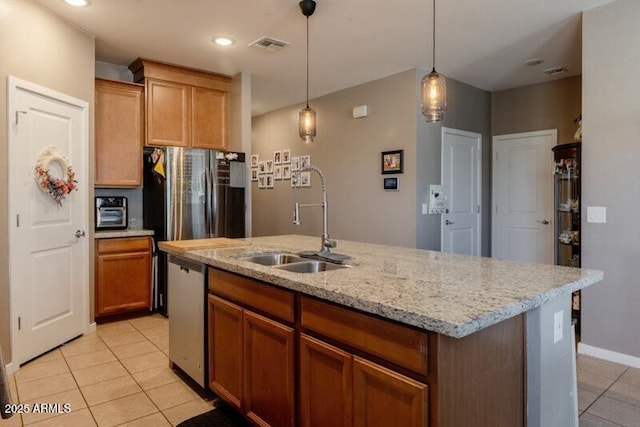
(269, 166)
(392, 161)
(262, 167)
(305, 179)
(277, 172)
(295, 164)
(254, 174)
(286, 156)
(254, 160)
(286, 171)
(305, 162)
(277, 157)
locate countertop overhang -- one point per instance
(454, 295)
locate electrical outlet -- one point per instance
(557, 326)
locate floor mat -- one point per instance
(222, 415)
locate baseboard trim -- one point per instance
(11, 368)
(609, 355)
(92, 328)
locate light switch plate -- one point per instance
(597, 214)
(557, 326)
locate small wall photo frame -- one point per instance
(392, 161)
(277, 157)
(254, 160)
(390, 184)
(277, 172)
(254, 174)
(286, 156)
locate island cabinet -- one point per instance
(119, 133)
(123, 275)
(184, 107)
(285, 358)
(252, 347)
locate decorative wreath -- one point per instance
(57, 188)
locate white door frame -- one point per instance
(478, 137)
(551, 132)
(81, 173)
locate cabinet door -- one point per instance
(119, 134)
(385, 398)
(268, 371)
(168, 113)
(225, 350)
(208, 118)
(325, 384)
(123, 281)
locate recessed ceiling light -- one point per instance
(534, 61)
(77, 3)
(555, 71)
(223, 41)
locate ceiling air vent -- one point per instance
(269, 44)
(555, 71)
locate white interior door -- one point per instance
(48, 262)
(461, 185)
(523, 196)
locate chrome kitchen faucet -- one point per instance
(327, 243)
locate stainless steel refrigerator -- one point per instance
(191, 193)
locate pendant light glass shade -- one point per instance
(306, 116)
(434, 87)
(434, 96)
(307, 124)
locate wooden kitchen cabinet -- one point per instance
(225, 350)
(382, 397)
(251, 356)
(269, 370)
(123, 275)
(326, 384)
(119, 133)
(184, 107)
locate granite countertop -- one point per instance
(454, 295)
(122, 233)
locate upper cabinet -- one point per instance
(119, 133)
(184, 107)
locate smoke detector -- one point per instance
(555, 71)
(269, 44)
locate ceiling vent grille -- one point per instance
(269, 44)
(555, 71)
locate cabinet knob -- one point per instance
(543, 221)
(79, 233)
(447, 222)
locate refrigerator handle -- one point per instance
(207, 203)
(214, 198)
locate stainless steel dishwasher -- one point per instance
(187, 290)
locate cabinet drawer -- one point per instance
(250, 293)
(394, 343)
(124, 244)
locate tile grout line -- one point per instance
(603, 393)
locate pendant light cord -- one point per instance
(434, 35)
(307, 62)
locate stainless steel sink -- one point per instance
(274, 259)
(310, 266)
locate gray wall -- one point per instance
(611, 175)
(348, 151)
(469, 109)
(551, 105)
(38, 47)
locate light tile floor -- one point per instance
(120, 376)
(608, 393)
(117, 376)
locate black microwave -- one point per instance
(111, 213)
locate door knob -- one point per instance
(447, 222)
(544, 221)
(79, 233)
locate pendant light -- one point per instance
(306, 116)
(434, 87)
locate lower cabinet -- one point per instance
(123, 275)
(340, 389)
(251, 363)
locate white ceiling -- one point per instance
(480, 42)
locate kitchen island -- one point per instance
(404, 335)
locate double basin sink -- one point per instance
(293, 263)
